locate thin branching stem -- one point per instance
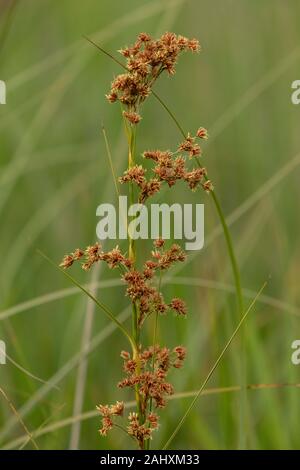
(132, 257)
(237, 281)
(155, 331)
(103, 307)
(233, 260)
(19, 418)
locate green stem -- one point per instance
(155, 335)
(172, 115)
(99, 304)
(131, 163)
(237, 283)
(240, 304)
(132, 256)
(148, 443)
(214, 367)
(234, 264)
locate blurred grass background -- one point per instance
(54, 173)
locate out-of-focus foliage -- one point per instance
(54, 172)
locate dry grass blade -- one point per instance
(110, 161)
(130, 18)
(185, 280)
(83, 365)
(212, 370)
(75, 359)
(44, 430)
(251, 94)
(250, 294)
(7, 24)
(27, 372)
(52, 296)
(99, 304)
(18, 417)
(63, 371)
(38, 221)
(250, 202)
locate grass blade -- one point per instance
(110, 161)
(181, 422)
(99, 304)
(15, 412)
(56, 425)
(81, 378)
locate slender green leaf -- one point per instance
(100, 305)
(191, 406)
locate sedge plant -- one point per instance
(147, 366)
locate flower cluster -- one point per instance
(136, 174)
(149, 371)
(146, 59)
(146, 373)
(142, 432)
(93, 254)
(139, 283)
(169, 167)
(190, 146)
(107, 413)
(139, 286)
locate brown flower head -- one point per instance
(169, 257)
(179, 306)
(78, 253)
(135, 174)
(159, 243)
(169, 169)
(208, 186)
(67, 261)
(194, 177)
(202, 133)
(148, 189)
(140, 432)
(117, 409)
(115, 258)
(189, 146)
(153, 420)
(133, 118)
(180, 353)
(107, 412)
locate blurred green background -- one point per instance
(54, 173)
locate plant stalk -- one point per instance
(132, 257)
